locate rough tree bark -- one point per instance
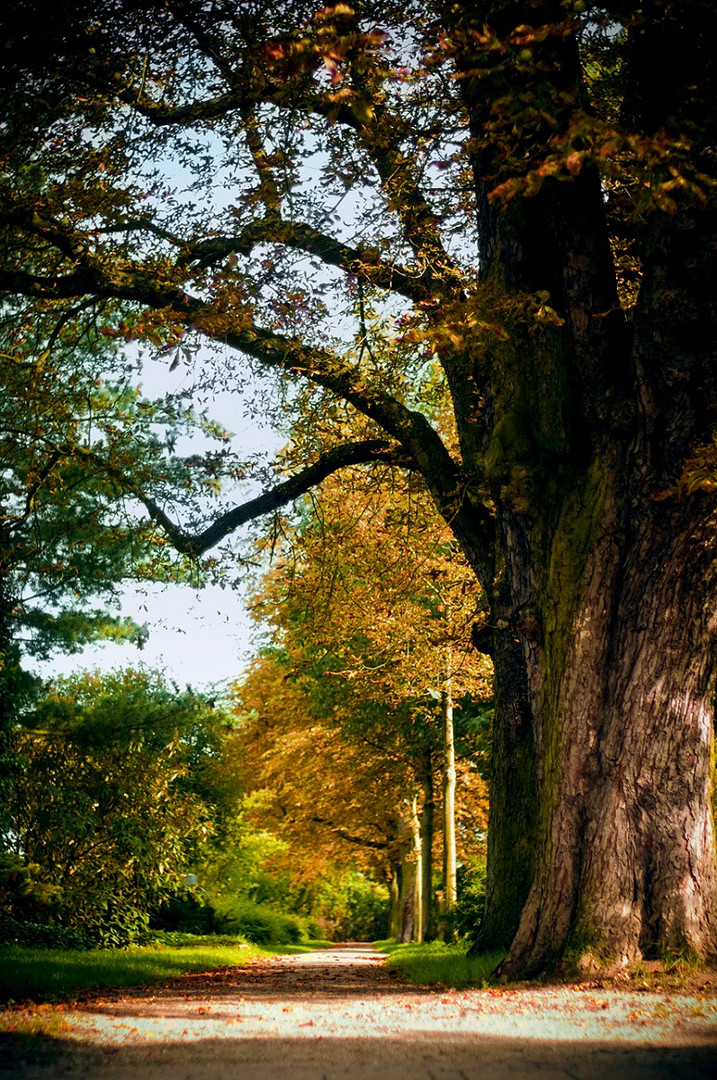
(603, 603)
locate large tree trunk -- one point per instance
(626, 857)
(604, 585)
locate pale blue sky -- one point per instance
(200, 637)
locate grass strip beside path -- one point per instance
(53, 974)
(438, 964)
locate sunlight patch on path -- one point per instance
(304, 1009)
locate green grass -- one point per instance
(438, 964)
(52, 974)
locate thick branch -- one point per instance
(365, 263)
(53, 287)
(180, 115)
(469, 519)
(376, 128)
(127, 285)
(47, 230)
(355, 453)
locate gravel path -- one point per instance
(339, 1015)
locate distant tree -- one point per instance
(370, 606)
(374, 608)
(71, 532)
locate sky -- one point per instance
(202, 638)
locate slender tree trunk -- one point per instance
(427, 822)
(450, 890)
(417, 858)
(394, 893)
(9, 688)
(513, 796)
(408, 832)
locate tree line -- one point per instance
(326, 769)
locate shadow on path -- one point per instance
(354, 1058)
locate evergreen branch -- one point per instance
(40, 478)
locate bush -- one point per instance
(344, 905)
(351, 907)
(36, 913)
(22, 894)
(176, 939)
(41, 935)
(468, 913)
(114, 784)
(184, 913)
(119, 922)
(259, 924)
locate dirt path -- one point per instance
(339, 1015)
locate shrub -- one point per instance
(22, 894)
(185, 914)
(119, 922)
(259, 924)
(114, 784)
(350, 907)
(469, 908)
(41, 935)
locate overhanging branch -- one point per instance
(365, 263)
(365, 452)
